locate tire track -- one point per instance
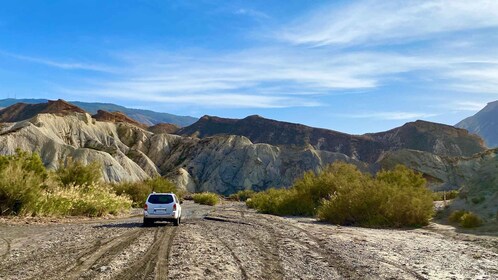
(272, 264)
(7, 248)
(225, 244)
(63, 268)
(84, 259)
(163, 257)
(157, 254)
(400, 267)
(111, 247)
(344, 267)
(333, 258)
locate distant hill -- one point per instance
(420, 135)
(23, 111)
(227, 155)
(484, 123)
(143, 116)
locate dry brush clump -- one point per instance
(465, 219)
(242, 195)
(138, 191)
(341, 194)
(27, 188)
(206, 198)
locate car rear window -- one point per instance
(160, 199)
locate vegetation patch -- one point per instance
(341, 194)
(445, 195)
(138, 191)
(27, 188)
(470, 220)
(77, 173)
(242, 195)
(206, 198)
(465, 219)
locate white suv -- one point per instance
(162, 207)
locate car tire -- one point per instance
(176, 222)
(148, 222)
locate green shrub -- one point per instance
(26, 188)
(341, 194)
(138, 191)
(76, 173)
(206, 198)
(93, 200)
(22, 179)
(439, 196)
(456, 216)
(470, 220)
(313, 188)
(478, 199)
(242, 195)
(276, 201)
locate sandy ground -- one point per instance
(232, 242)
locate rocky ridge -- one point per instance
(266, 153)
(420, 135)
(484, 123)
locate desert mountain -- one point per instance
(420, 135)
(163, 128)
(22, 111)
(484, 123)
(146, 117)
(226, 155)
(114, 117)
(128, 152)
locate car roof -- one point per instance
(157, 193)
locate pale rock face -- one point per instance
(184, 181)
(222, 164)
(56, 138)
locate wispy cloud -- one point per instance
(293, 74)
(389, 115)
(377, 21)
(482, 78)
(466, 106)
(252, 13)
(60, 64)
(279, 77)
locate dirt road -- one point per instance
(232, 242)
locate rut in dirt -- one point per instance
(154, 262)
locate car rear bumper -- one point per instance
(172, 216)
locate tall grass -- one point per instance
(206, 198)
(138, 191)
(341, 194)
(76, 173)
(27, 188)
(91, 200)
(242, 195)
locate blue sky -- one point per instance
(352, 66)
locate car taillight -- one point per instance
(145, 207)
(174, 207)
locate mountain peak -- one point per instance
(24, 111)
(105, 116)
(484, 123)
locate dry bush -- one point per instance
(341, 194)
(206, 198)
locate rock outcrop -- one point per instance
(128, 153)
(23, 111)
(105, 116)
(227, 155)
(484, 123)
(435, 138)
(163, 128)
